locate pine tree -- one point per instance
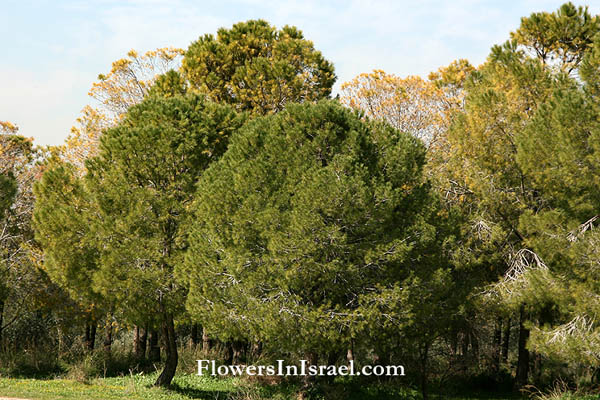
(313, 229)
(127, 213)
(502, 97)
(258, 68)
(559, 150)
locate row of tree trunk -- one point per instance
(146, 345)
(501, 343)
(90, 335)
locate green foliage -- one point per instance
(564, 135)
(508, 156)
(309, 220)
(557, 150)
(492, 191)
(511, 93)
(169, 84)
(561, 37)
(115, 236)
(142, 182)
(257, 68)
(62, 218)
(133, 201)
(590, 68)
(311, 230)
(8, 190)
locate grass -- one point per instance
(139, 387)
(185, 387)
(136, 387)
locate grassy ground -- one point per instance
(139, 387)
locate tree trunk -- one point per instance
(497, 345)
(170, 341)
(475, 346)
(93, 335)
(139, 343)
(108, 333)
(505, 341)
(332, 357)
(523, 361)
(464, 344)
(237, 347)
(256, 349)
(154, 350)
(1, 320)
(308, 380)
(454, 343)
(537, 365)
(60, 337)
(194, 335)
(228, 353)
(143, 341)
(90, 334)
(350, 354)
(205, 341)
(424, 356)
(86, 340)
(136, 340)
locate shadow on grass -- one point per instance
(32, 372)
(364, 390)
(194, 393)
(477, 396)
(339, 390)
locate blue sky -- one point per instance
(52, 51)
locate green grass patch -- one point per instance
(136, 387)
(139, 387)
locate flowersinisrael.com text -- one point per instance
(209, 367)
